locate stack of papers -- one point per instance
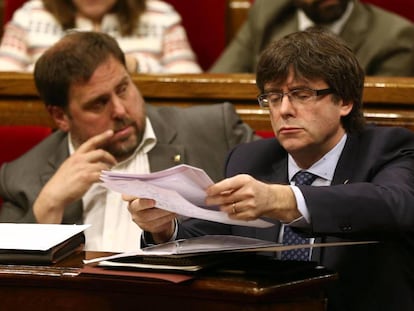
(180, 189)
(197, 253)
(189, 255)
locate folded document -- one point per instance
(180, 189)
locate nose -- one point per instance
(286, 106)
(118, 108)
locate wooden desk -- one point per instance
(98, 292)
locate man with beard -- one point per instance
(382, 41)
(103, 123)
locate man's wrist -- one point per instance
(149, 239)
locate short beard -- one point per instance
(326, 16)
(126, 150)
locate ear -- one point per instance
(60, 117)
(346, 107)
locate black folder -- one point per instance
(43, 257)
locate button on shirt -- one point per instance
(111, 226)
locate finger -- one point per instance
(100, 156)
(221, 188)
(155, 216)
(128, 198)
(217, 197)
(229, 208)
(228, 186)
(96, 142)
(238, 212)
(140, 204)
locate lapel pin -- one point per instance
(177, 158)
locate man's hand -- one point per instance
(73, 178)
(158, 222)
(245, 198)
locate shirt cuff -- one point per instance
(304, 220)
(147, 240)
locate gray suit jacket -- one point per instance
(382, 41)
(201, 135)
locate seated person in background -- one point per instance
(104, 123)
(364, 188)
(382, 41)
(148, 31)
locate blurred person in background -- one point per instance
(149, 32)
(383, 42)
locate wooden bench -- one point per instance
(387, 101)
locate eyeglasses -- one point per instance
(298, 96)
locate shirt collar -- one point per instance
(336, 27)
(325, 167)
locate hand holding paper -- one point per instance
(180, 189)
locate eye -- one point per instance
(122, 89)
(98, 104)
(302, 94)
(274, 98)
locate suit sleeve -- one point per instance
(16, 205)
(376, 200)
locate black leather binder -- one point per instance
(43, 257)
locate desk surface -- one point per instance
(61, 287)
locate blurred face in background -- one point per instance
(322, 11)
(93, 9)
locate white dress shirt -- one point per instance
(111, 228)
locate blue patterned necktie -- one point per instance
(292, 238)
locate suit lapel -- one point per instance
(347, 161)
(343, 175)
(166, 153)
(56, 158)
(164, 156)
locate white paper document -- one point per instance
(36, 237)
(180, 189)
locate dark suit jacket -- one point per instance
(382, 41)
(201, 135)
(371, 198)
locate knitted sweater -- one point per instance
(159, 44)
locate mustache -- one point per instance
(122, 123)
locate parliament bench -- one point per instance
(387, 101)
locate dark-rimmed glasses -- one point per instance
(297, 96)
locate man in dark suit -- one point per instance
(382, 41)
(104, 123)
(364, 176)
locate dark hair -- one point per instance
(316, 54)
(127, 12)
(73, 59)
